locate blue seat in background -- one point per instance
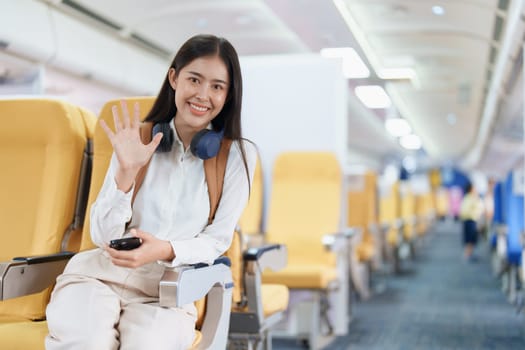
(499, 213)
(515, 226)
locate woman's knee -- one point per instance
(83, 311)
(144, 326)
(177, 339)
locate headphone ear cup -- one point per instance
(206, 143)
(167, 139)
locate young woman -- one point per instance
(107, 298)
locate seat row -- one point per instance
(314, 239)
(55, 157)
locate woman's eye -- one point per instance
(218, 87)
(194, 80)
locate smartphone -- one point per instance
(125, 243)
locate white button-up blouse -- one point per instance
(173, 204)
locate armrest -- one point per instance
(31, 274)
(398, 223)
(336, 242)
(385, 226)
(253, 240)
(374, 228)
(257, 259)
(352, 231)
(273, 256)
(187, 284)
(184, 285)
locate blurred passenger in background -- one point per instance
(470, 213)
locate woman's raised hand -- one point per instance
(131, 153)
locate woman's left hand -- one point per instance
(152, 249)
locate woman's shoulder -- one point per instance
(247, 147)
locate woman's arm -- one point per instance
(112, 209)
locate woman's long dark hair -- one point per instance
(229, 118)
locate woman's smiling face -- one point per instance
(201, 89)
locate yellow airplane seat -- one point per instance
(425, 212)
(304, 212)
(362, 213)
(408, 214)
(442, 203)
(257, 306)
(391, 224)
(191, 283)
(251, 220)
(45, 153)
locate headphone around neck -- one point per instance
(205, 144)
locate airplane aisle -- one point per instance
(440, 301)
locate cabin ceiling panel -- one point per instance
(452, 55)
(251, 26)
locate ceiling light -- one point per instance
(438, 10)
(397, 127)
(373, 96)
(411, 142)
(353, 65)
(362, 39)
(397, 73)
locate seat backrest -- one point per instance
(357, 207)
(101, 157)
(235, 254)
(41, 148)
(102, 151)
(305, 204)
(408, 202)
(362, 201)
(75, 239)
(372, 194)
(442, 206)
(251, 218)
(389, 205)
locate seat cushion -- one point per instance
(275, 298)
(23, 335)
(392, 237)
(303, 276)
(365, 251)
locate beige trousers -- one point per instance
(97, 305)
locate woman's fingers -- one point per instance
(128, 121)
(124, 263)
(152, 146)
(136, 116)
(116, 119)
(125, 113)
